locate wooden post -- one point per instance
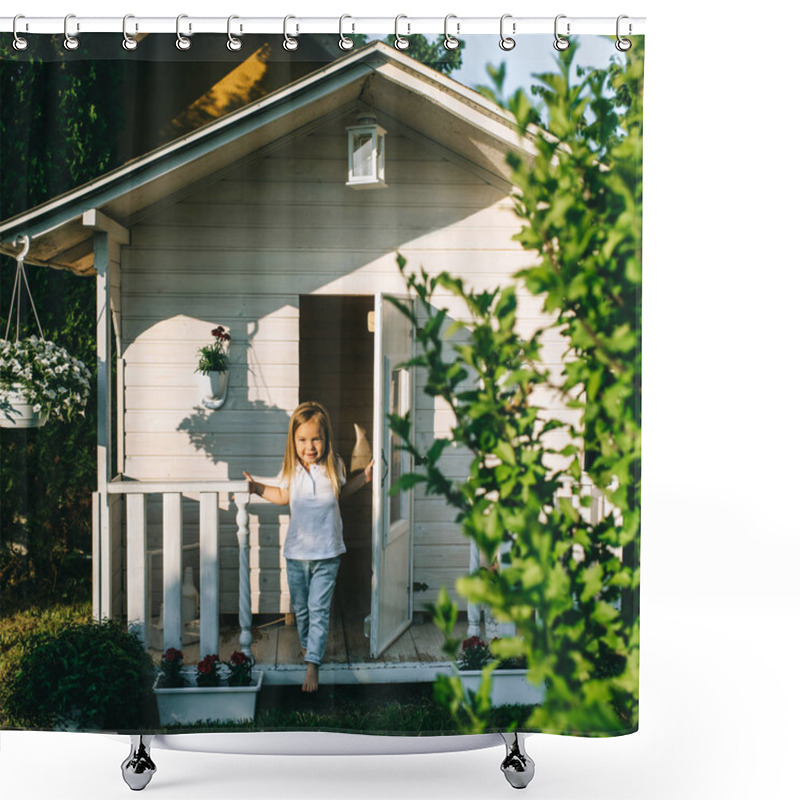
(138, 601)
(172, 547)
(245, 604)
(209, 573)
(473, 609)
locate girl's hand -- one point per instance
(250, 482)
(368, 472)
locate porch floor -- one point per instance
(416, 656)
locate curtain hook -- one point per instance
(561, 43)
(234, 43)
(345, 42)
(71, 42)
(20, 43)
(450, 42)
(182, 42)
(128, 42)
(506, 42)
(623, 44)
(400, 42)
(288, 42)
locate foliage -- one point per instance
(431, 53)
(16, 629)
(63, 131)
(569, 583)
(89, 676)
(171, 665)
(208, 673)
(46, 375)
(240, 669)
(214, 356)
(474, 654)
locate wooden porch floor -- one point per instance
(276, 647)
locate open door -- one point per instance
(392, 517)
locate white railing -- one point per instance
(138, 596)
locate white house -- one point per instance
(248, 223)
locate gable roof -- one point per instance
(429, 105)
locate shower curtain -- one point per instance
(438, 241)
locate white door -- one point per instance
(391, 610)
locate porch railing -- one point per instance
(138, 597)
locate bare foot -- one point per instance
(311, 683)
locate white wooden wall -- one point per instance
(238, 251)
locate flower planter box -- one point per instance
(509, 686)
(17, 412)
(193, 703)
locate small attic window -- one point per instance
(366, 154)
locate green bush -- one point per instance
(89, 676)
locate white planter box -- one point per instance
(213, 389)
(509, 686)
(215, 703)
(21, 413)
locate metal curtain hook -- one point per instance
(70, 42)
(450, 42)
(623, 44)
(561, 43)
(128, 42)
(182, 42)
(20, 43)
(288, 42)
(506, 42)
(400, 42)
(234, 43)
(345, 42)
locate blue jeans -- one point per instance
(311, 585)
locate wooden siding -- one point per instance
(241, 250)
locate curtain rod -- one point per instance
(298, 25)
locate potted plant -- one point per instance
(213, 369)
(510, 683)
(40, 380)
(212, 691)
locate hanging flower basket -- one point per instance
(40, 380)
(213, 367)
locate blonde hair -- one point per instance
(308, 412)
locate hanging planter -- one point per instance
(38, 379)
(213, 370)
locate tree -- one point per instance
(57, 130)
(431, 53)
(569, 584)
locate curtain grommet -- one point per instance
(345, 42)
(623, 45)
(182, 42)
(20, 42)
(450, 42)
(128, 42)
(289, 42)
(400, 42)
(234, 43)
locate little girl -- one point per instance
(312, 481)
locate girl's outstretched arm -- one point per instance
(352, 486)
(276, 495)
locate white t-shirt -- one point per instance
(315, 526)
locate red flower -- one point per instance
(238, 659)
(208, 665)
(173, 654)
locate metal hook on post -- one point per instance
(25, 241)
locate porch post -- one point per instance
(473, 609)
(209, 573)
(101, 549)
(245, 605)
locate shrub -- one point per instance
(88, 676)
